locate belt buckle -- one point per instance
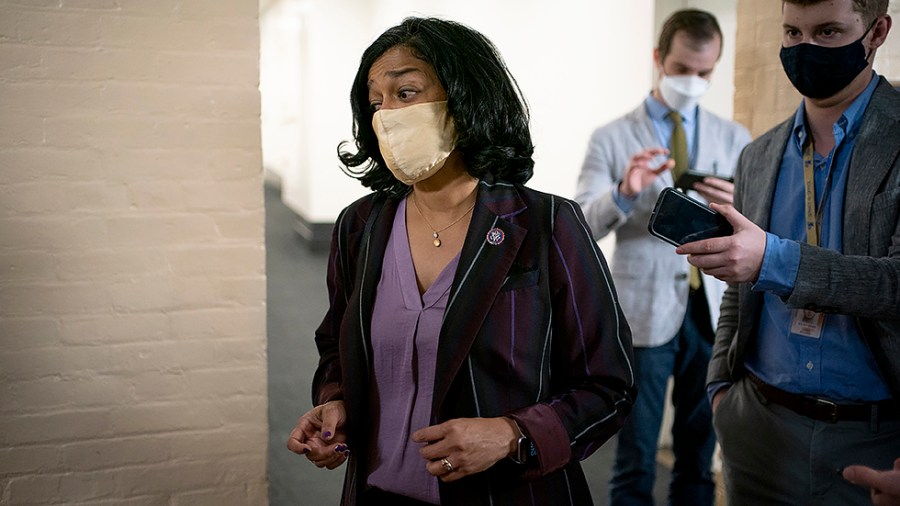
(829, 408)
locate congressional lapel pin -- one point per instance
(495, 236)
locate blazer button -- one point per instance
(681, 275)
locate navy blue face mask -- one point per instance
(820, 72)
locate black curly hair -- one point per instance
(484, 99)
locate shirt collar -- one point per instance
(658, 111)
(847, 126)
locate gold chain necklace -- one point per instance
(436, 233)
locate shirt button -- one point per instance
(809, 366)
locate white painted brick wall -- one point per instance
(132, 266)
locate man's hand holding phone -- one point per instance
(712, 187)
(718, 239)
(679, 219)
(736, 258)
(716, 190)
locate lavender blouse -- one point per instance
(405, 331)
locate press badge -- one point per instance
(807, 323)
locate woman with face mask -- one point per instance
(474, 350)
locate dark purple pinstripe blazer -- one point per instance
(533, 330)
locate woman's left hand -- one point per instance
(319, 434)
(464, 446)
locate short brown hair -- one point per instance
(699, 26)
(869, 10)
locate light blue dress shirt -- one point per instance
(663, 126)
(837, 365)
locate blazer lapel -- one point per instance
(758, 173)
(763, 173)
(482, 269)
(368, 275)
(644, 127)
(868, 168)
(705, 157)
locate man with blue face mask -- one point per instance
(805, 375)
(672, 310)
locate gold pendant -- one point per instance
(437, 241)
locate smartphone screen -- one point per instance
(679, 219)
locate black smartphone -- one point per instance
(686, 181)
(679, 219)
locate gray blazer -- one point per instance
(864, 281)
(652, 281)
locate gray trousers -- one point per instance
(773, 456)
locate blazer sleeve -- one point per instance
(326, 385)
(861, 286)
(592, 385)
(598, 177)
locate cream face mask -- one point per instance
(415, 141)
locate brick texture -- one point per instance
(132, 265)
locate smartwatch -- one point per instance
(525, 449)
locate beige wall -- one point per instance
(132, 278)
(763, 95)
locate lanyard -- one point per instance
(814, 212)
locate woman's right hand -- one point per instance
(319, 434)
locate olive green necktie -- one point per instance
(678, 145)
(679, 152)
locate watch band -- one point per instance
(525, 449)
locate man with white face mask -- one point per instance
(672, 310)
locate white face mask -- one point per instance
(682, 92)
(415, 141)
